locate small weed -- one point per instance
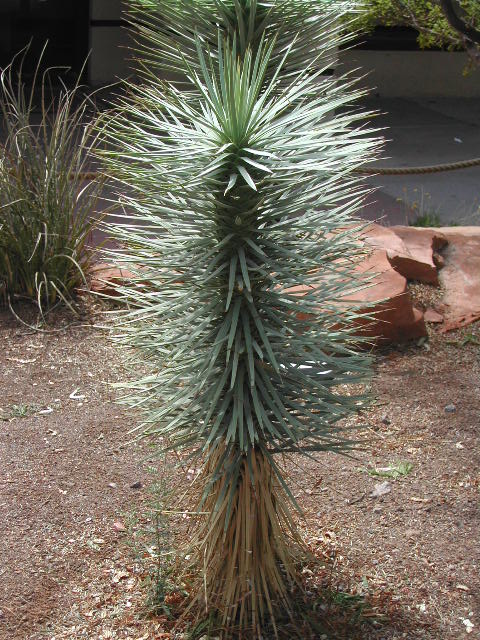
(163, 593)
(18, 411)
(151, 542)
(468, 338)
(204, 629)
(427, 219)
(392, 471)
(353, 605)
(421, 212)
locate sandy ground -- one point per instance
(72, 564)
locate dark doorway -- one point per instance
(64, 23)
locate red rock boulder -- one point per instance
(388, 301)
(461, 275)
(105, 278)
(421, 261)
(433, 316)
(385, 298)
(411, 251)
(379, 237)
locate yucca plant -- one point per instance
(244, 243)
(166, 31)
(46, 206)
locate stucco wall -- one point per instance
(413, 74)
(108, 43)
(389, 73)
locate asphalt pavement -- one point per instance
(427, 132)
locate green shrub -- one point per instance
(46, 209)
(426, 16)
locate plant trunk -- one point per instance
(248, 564)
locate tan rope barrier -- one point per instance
(405, 171)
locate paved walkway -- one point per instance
(427, 132)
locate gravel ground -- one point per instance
(73, 565)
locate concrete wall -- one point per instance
(413, 74)
(108, 43)
(105, 9)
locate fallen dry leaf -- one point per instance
(120, 575)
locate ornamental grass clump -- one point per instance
(244, 242)
(46, 207)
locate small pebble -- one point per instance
(136, 485)
(381, 489)
(450, 408)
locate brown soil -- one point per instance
(66, 497)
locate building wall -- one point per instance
(109, 43)
(413, 74)
(388, 73)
